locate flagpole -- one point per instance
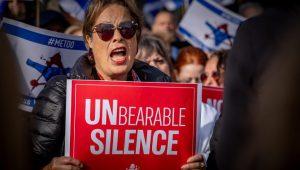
(186, 5)
(38, 13)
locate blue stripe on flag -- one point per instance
(195, 39)
(221, 13)
(43, 39)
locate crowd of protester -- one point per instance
(179, 61)
(163, 28)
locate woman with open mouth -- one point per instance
(111, 30)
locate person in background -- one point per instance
(74, 30)
(250, 9)
(151, 50)
(255, 43)
(275, 116)
(53, 21)
(215, 69)
(190, 64)
(14, 143)
(17, 10)
(165, 26)
(20, 10)
(164, 23)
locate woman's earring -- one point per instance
(91, 56)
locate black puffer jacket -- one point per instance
(48, 120)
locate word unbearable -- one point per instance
(132, 115)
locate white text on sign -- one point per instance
(133, 141)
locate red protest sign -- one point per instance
(213, 96)
(131, 125)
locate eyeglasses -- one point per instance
(105, 31)
(215, 75)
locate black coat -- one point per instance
(253, 50)
(48, 120)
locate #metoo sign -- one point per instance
(131, 125)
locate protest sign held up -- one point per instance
(41, 54)
(209, 26)
(213, 96)
(142, 125)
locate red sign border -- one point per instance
(73, 84)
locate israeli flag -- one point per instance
(209, 26)
(41, 54)
(76, 8)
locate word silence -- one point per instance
(107, 114)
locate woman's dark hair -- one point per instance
(222, 58)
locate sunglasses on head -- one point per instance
(105, 31)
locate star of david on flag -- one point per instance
(209, 26)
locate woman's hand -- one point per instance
(194, 162)
(64, 163)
